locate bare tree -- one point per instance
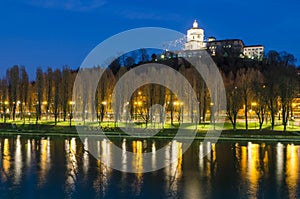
(244, 80)
(49, 89)
(57, 88)
(13, 88)
(234, 99)
(4, 92)
(260, 104)
(39, 92)
(24, 90)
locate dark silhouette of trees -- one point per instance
(266, 87)
(39, 93)
(4, 98)
(57, 87)
(24, 90)
(233, 97)
(244, 80)
(13, 88)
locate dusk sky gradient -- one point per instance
(62, 32)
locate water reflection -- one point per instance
(279, 163)
(292, 169)
(45, 160)
(18, 161)
(173, 171)
(100, 184)
(6, 160)
(71, 165)
(253, 170)
(153, 158)
(232, 170)
(137, 163)
(28, 154)
(85, 158)
(207, 157)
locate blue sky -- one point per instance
(62, 32)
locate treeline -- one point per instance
(49, 95)
(265, 87)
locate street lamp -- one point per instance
(253, 104)
(71, 103)
(103, 110)
(5, 104)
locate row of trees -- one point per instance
(48, 95)
(265, 87)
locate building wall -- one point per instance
(230, 47)
(254, 52)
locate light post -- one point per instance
(5, 104)
(103, 110)
(71, 103)
(254, 104)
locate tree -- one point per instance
(65, 91)
(13, 88)
(49, 89)
(57, 87)
(244, 80)
(24, 90)
(4, 91)
(287, 91)
(233, 97)
(260, 104)
(39, 93)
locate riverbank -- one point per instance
(167, 133)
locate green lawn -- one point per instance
(293, 126)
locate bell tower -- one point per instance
(195, 38)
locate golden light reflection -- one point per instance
(153, 156)
(213, 148)
(28, 154)
(174, 170)
(45, 160)
(137, 164)
(207, 158)
(18, 161)
(279, 163)
(85, 158)
(201, 154)
(101, 182)
(253, 168)
(71, 164)
(6, 159)
(265, 157)
(106, 151)
(124, 155)
(243, 160)
(292, 169)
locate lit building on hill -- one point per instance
(225, 47)
(195, 38)
(254, 52)
(229, 47)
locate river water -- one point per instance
(59, 167)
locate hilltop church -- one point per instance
(228, 47)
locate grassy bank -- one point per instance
(49, 129)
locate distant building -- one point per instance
(254, 52)
(229, 47)
(233, 47)
(195, 38)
